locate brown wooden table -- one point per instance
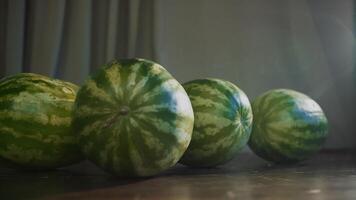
(328, 175)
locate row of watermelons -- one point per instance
(132, 118)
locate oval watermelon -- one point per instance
(35, 122)
(223, 122)
(133, 118)
(288, 126)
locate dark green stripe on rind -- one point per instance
(223, 121)
(288, 126)
(154, 132)
(35, 122)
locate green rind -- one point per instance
(155, 132)
(223, 122)
(288, 126)
(35, 122)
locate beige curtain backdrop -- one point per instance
(306, 45)
(69, 38)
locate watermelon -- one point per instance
(133, 118)
(223, 122)
(288, 126)
(35, 122)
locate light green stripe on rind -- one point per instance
(35, 122)
(288, 126)
(137, 89)
(113, 75)
(154, 133)
(40, 118)
(99, 94)
(38, 83)
(51, 139)
(223, 120)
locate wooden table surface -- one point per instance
(325, 176)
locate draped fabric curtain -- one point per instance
(69, 38)
(306, 45)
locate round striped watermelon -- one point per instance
(133, 118)
(223, 122)
(288, 126)
(35, 122)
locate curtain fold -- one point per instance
(69, 39)
(43, 33)
(14, 36)
(3, 20)
(74, 55)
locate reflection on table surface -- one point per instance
(325, 176)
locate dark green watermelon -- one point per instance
(288, 126)
(133, 118)
(223, 122)
(35, 122)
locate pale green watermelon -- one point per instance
(133, 118)
(35, 122)
(223, 122)
(288, 126)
